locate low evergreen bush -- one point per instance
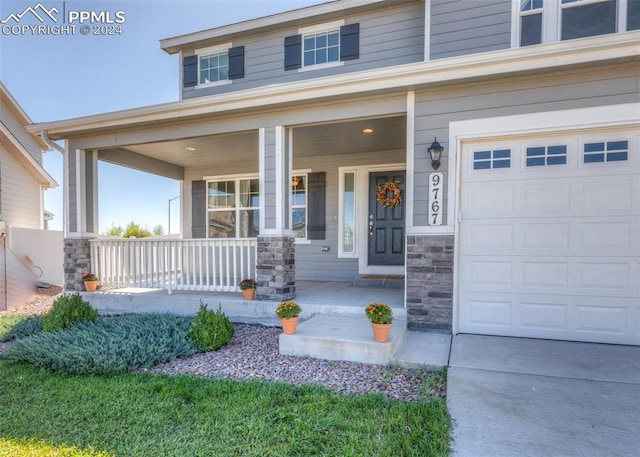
(14, 327)
(107, 345)
(67, 311)
(211, 330)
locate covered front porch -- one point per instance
(333, 323)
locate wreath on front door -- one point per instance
(389, 194)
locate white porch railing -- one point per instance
(194, 264)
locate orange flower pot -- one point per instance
(90, 286)
(248, 294)
(381, 332)
(289, 325)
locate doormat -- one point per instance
(392, 277)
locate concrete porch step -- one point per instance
(332, 337)
(341, 338)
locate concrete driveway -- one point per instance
(524, 397)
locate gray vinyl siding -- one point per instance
(461, 27)
(311, 262)
(20, 193)
(270, 178)
(580, 88)
(73, 186)
(389, 36)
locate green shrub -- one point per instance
(67, 311)
(108, 345)
(16, 326)
(211, 330)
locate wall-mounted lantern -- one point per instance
(435, 151)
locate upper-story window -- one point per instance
(213, 65)
(321, 46)
(546, 21)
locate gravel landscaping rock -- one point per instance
(253, 354)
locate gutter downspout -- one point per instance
(52, 144)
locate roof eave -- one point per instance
(318, 13)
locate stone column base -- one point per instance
(430, 282)
(77, 262)
(275, 268)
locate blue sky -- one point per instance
(66, 76)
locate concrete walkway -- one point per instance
(524, 397)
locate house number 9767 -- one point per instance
(435, 199)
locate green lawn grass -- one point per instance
(45, 414)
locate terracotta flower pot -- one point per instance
(381, 332)
(90, 286)
(289, 325)
(248, 294)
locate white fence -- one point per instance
(196, 264)
(40, 251)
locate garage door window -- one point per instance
(610, 151)
(546, 155)
(487, 160)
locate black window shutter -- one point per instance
(293, 52)
(199, 209)
(350, 42)
(190, 73)
(316, 225)
(236, 62)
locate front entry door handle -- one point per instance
(370, 225)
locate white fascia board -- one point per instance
(416, 75)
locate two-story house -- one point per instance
(486, 151)
(25, 247)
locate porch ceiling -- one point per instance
(389, 133)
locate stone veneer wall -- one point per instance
(275, 268)
(430, 282)
(77, 262)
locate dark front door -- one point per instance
(386, 223)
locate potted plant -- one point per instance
(288, 312)
(248, 288)
(381, 316)
(90, 282)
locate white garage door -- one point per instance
(550, 238)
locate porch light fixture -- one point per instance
(190, 148)
(435, 151)
(367, 130)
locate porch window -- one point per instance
(232, 207)
(299, 206)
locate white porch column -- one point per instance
(275, 267)
(80, 213)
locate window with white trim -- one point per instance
(299, 206)
(546, 21)
(605, 151)
(540, 156)
(233, 208)
(492, 159)
(321, 48)
(213, 65)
